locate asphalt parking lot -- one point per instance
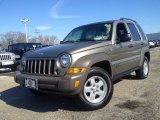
(132, 99)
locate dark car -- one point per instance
(21, 48)
(46, 45)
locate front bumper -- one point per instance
(50, 84)
(13, 63)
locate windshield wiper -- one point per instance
(85, 40)
(80, 40)
(67, 42)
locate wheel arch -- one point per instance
(105, 65)
(147, 54)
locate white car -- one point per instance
(151, 44)
(8, 59)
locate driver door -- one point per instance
(123, 51)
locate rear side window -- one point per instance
(142, 33)
(14, 48)
(134, 32)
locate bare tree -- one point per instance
(19, 37)
(45, 40)
(5, 44)
(15, 36)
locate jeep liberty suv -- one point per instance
(87, 62)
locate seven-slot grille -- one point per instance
(39, 66)
(5, 57)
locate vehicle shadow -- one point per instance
(22, 98)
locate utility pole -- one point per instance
(25, 21)
(37, 32)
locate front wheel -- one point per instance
(97, 90)
(143, 71)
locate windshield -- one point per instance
(97, 32)
(1, 48)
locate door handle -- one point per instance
(130, 46)
(142, 43)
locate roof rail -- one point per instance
(128, 19)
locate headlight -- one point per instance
(13, 56)
(17, 56)
(65, 60)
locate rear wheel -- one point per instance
(143, 71)
(97, 90)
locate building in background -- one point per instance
(153, 36)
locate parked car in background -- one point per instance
(157, 43)
(87, 62)
(21, 48)
(151, 44)
(9, 60)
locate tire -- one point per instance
(15, 68)
(143, 71)
(98, 82)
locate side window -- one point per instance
(28, 47)
(142, 33)
(10, 48)
(20, 47)
(134, 32)
(121, 32)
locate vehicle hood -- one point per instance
(71, 48)
(5, 53)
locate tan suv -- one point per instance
(87, 62)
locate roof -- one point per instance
(102, 22)
(110, 21)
